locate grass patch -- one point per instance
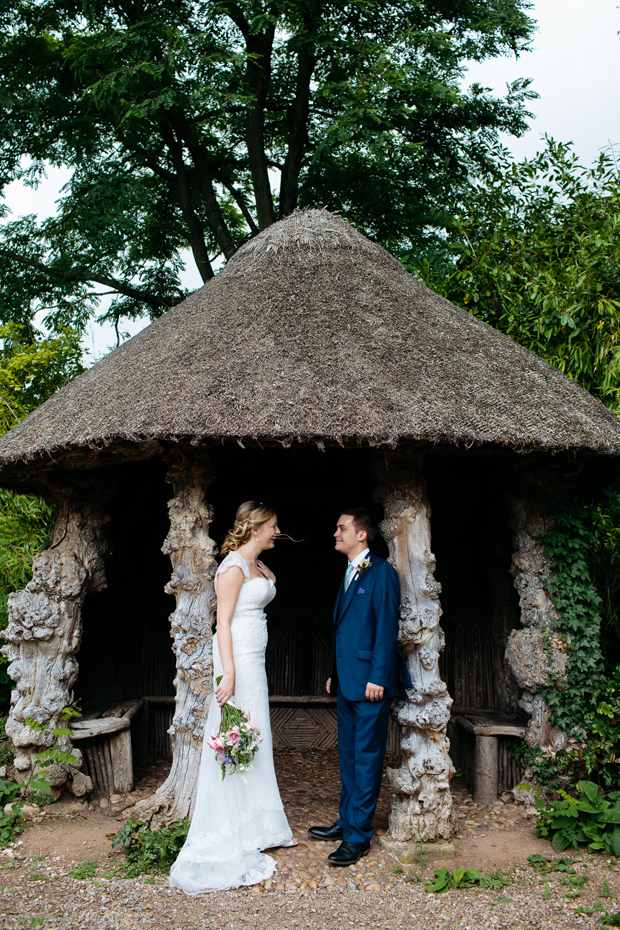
(84, 870)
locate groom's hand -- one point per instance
(374, 692)
(328, 686)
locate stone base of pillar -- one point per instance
(412, 853)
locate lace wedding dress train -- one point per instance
(236, 818)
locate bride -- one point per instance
(236, 818)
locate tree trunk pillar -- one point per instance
(191, 552)
(45, 625)
(421, 799)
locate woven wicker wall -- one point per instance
(126, 646)
(472, 543)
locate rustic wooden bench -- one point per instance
(106, 740)
(486, 728)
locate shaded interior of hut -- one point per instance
(125, 654)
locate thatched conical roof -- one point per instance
(313, 333)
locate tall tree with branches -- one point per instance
(197, 123)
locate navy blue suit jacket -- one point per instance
(366, 620)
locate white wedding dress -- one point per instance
(236, 818)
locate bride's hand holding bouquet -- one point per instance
(225, 688)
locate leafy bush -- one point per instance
(597, 756)
(537, 255)
(544, 764)
(8, 790)
(149, 851)
(12, 823)
(601, 753)
(6, 748)
(444, 879)
(543, 865)
(593, 820)
(39, 787)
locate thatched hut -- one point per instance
(312, 371)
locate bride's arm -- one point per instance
(228, 588)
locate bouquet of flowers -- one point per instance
(237, 740)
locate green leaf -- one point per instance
(561, 840)
(592, 792)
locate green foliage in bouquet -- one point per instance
(592, 820)
(149, 851)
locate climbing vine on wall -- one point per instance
(571, 586)
(584, 584)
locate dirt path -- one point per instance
(305, 892)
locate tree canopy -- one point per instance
(196, 123)
(536, 253)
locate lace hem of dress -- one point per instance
(253, 869)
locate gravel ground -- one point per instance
(39, 895)
(36, 889)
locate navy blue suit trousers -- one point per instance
(362, 735)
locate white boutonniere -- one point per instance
(364, 564)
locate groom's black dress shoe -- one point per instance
(326, 833)
(347, 854)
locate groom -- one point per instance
(365, 675)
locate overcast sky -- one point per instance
(575, 67)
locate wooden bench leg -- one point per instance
(486, 769)
(122, 765)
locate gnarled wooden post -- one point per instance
(421, 799)
(45, 625)
(191, 552)
(537, 653)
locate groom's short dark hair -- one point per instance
(363, 519)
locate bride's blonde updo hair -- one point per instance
(249, 516)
